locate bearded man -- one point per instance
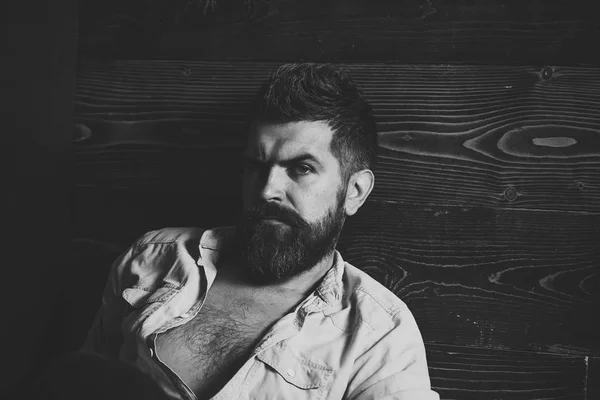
(268, 309)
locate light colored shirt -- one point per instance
(351, 338)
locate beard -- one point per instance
(275, 251)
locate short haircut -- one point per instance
(321, 92)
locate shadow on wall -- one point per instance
(93, 377)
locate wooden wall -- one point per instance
(485, 218)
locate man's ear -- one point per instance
(359, 187)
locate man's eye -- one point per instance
(302, 169)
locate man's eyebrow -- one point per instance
(290, 161)
(301, 157)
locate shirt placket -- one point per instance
(184, 391)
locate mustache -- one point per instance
(277, 212)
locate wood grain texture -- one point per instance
(417, 31)
(485, 218)
(509, 137)
(392, 40)
(459, 373)
(483, 277)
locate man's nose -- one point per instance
(274, 182)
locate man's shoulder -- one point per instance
(170, 235)
(174, 243)
(154, 254)
(376, 304)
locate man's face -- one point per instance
(293, 198)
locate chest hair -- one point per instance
(220, 339)
(207, 351)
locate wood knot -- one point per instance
(81, 132)
(442, 212)
(186, 71)
(580, 185)
(554, 141)
(510, 194)
(547, 73)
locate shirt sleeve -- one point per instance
(105, 336)
(394, 367)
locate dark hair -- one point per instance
(321, 92)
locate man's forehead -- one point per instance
(288, 140)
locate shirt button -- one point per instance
(291, 372)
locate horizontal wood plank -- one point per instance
(509, 137)
(505, 32)
(459, 373)
(111, 219)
